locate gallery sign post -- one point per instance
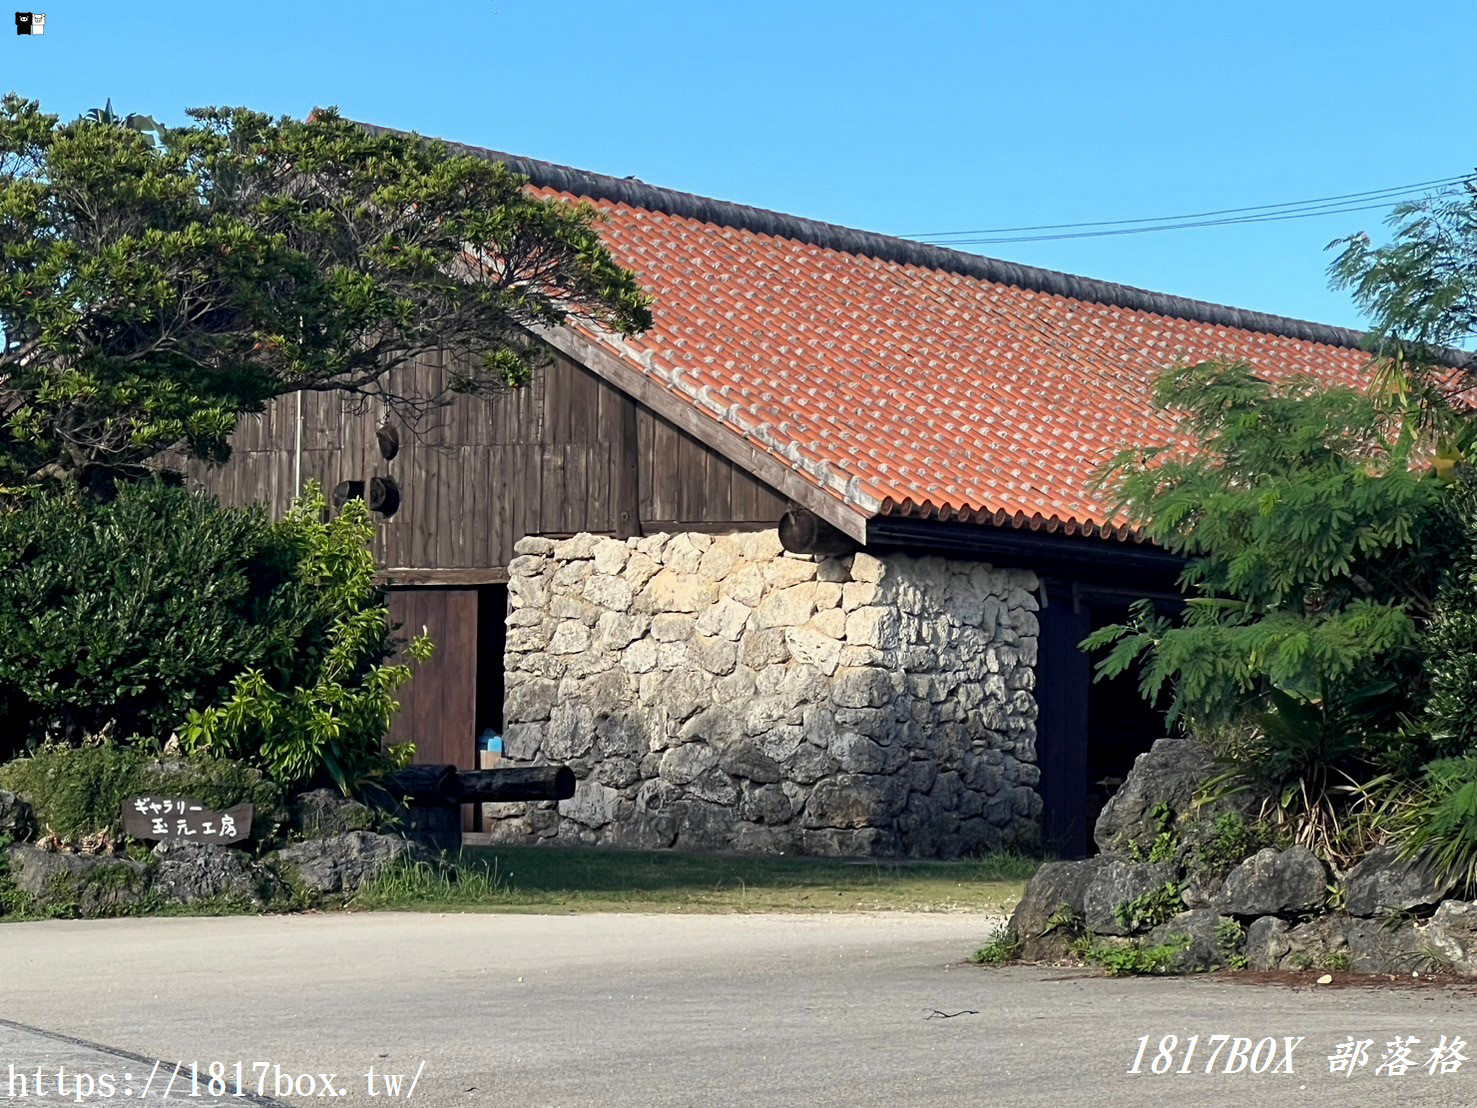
(176, 819)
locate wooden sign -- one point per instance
(172, 819)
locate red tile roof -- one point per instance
(912, 390)
(912, 380)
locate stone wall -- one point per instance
(717, 693)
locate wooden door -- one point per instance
(438, 707)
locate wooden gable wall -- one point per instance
(568, 453)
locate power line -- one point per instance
(1270, 218)
(1267, 218)
(1316, 206)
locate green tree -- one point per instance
(154, 288)
(1313, 552)
(1420, 288)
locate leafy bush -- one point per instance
(332, 714)
(78, 793)
(1151, 908)
(118, 618)
(1310, 546)
(164, 611)
(1229, 842)
(1002, 947)
(1451, 712)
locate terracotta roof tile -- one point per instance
(910, 390)
(910, 379)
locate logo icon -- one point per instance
(30, 23)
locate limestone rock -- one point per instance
(725, 620)
(745, 759)
(86, 885)
(1198, 933)
(1167, 774)
(611, 556)
(574, 549)
(1452, 935)
(323, 813)
(1316, 944)
(684, 764)
(767, 804)
(530, 700)
(533, 545)
(338, 866)
(592, 805)
(866, 567)
(16, 822)
(1116, 884)
(670, 591)
(852, 801)
(609, 592)
(1274, 881)
(858, 754)
(876, 626)
(1049, 917)
(861, 687)
(715, 787)
(813, 647)
(1382, 882)
(191, 872)
(787, 607)
(789, 570)
(1377, 947)
(1267, 943)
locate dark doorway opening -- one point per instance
(1121, 724)
(1088, 732)
(492, 640)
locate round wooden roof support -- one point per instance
(804, 532)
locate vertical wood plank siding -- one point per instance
(568, 453)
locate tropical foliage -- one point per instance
(1328, 645)
(155, 286)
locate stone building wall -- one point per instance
(717, 693)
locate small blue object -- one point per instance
(490, 741)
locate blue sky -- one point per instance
(899, 117)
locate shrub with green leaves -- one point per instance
(164, 612)
(331, 715)
(117, 618)
(1309, 539)
(1437, 819)
(1451, 712)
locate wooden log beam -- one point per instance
(445, 785)
(424, 782)
(804, 532)
(479, 786)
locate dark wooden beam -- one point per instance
(431, 784)
(804, 532)
(702, 526)
(491, 575)
(1125, 564)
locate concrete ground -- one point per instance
(673, 1010)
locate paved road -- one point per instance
(677, 1010)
